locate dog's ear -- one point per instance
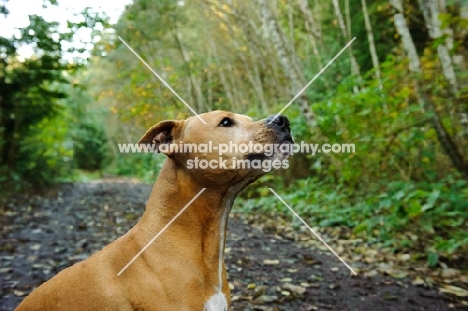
(161, 134)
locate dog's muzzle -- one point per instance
(281, 125)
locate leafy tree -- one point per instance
(89, 148)
(30, 91)
(35, 120)
(249, 56)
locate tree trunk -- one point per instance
(431, 12)
(227, 88)
(408, 43)
(291, 26)
(250, 69)
(346, 35)
(287, 61)
(370, 38)
(153, 54)
(194, 85)
(209, 81)
(415, 67)
(312, 33)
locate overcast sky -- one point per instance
(20, 9)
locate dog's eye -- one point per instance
(226, 122)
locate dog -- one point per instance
(183, 269)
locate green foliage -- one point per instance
(394, 189)
(399, 186)
(144, 166)
(31, 90)
(35, 115)
(47, 153)
(89, 146)
(432, 259)
(387, 211)
(398, 180)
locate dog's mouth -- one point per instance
(256, 156)
(279, 150)
(285, 149)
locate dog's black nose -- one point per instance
(280, 121)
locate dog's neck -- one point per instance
(203, 224)
(178, 187)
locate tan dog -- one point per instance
(184, 268)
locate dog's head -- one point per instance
(228, 148)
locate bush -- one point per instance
(89, 146)
(433, 211)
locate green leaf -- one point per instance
(399, 195)
(432, 259)
(431, 200)
(414, 208)
(363, 226)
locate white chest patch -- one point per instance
(217, 302)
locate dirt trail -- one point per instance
(43, 233)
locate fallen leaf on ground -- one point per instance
(418, 281)
(271, 262)
(454, 290)
(19, 293)
(449, 273)
(251, 286)
(294, 289)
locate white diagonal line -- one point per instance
(313, 79)
(162, 80)
(160, 232)
(313, 231)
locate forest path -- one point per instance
(43, 233)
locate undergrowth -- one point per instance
(430, 218)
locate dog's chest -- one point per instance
(217, 302)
